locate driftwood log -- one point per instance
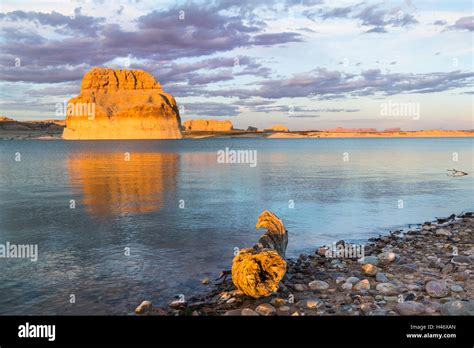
(257, 271)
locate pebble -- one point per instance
(387, 257)
(381, 277)
(387, 289)
(369, 269)
(318, 285)
(456, 288)
(368, 259)
(366, 307)
(247, 312)
(461, 276)
(265, 309)
(340, 280)
(178, 304)
(311, 303)
(461, 260)
(284, 309)
(362, 285)
(233, 312)
(443, 232)
(458, 308)
(346, 286)
(278, 302)
(300, 287)
(448, 268)
(410, 308)
(144, 307)
(352, 280)
(205, 281)
(410, 267)
(437, 289)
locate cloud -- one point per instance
(463, 23)
(203, 30)
(76, 23)
(210, 109)
(327, 84)
(376, 16)
(440, 22)
(377, 30)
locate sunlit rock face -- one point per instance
(121, 104)
(207, 126)
(278, 128)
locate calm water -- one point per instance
(136, 204)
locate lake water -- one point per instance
(323, 189)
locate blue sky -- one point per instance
(307, 64)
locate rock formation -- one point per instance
(351, 130)
(278, 128)
(121, 104)
(208, 126)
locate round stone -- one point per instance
(437, 289)
(247, 312)
(368, 259)
(362, 285)
(265, 309)
(410, 308)
(387, 289)
(318, 285)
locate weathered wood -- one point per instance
(257, 271)
(276, 237)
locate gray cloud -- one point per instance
(325, 84)
(210, 109)
(375, 16)
(464, 23)
(161, 36)
(440, 22)
(76, 23)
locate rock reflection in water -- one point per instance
(111, 185)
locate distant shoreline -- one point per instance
(53, 129)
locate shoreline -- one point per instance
(425, 271)
(54, 132)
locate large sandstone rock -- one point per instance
(121, 104)
(208, 125)
(278, 128)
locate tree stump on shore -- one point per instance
(257, 271)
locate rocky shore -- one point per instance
(424, 271)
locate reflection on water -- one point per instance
(118, 183)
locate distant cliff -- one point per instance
(277, 128)
(121, 104)
(207, 126)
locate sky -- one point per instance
(306, 64)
